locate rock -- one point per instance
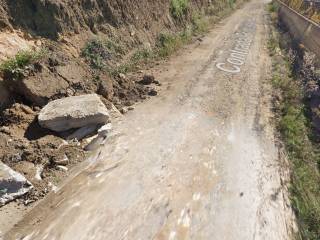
(122, 76)
(105, 129)
(12, 184)
(62, 168)
(26, 109)
(115, 113)
(147, 80)
(124, 110)
(157, 83)
(39, 170)
(95, 143)
(5, 129)
(63, 162)
(73, 112)
(105, 87)
(82, 132)
(153, 92)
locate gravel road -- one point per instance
(199, 161)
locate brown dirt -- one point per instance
(24, 146)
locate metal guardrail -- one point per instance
(299, 14)
(302, 28)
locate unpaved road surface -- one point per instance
(197, 162)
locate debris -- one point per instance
(12, 184)
(73, 112)
(124, 110)
(63, 161)
(5, 130)
(95, 143)
(82, 132)
(53, 187)
(62, 168)
(122, 76)
(105, 129)
(39, 170)
(153, 92)
(147, 80)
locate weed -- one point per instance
(231, 3)
(178, 8)
(273, 7)
(98, 52)
(295, 127)
(200, 23)
(16, 65)
(141, 55)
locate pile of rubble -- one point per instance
(68, 121)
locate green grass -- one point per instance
(96, 51)
(273, 7)
(15, 65)
(178, 8)
(294, 125)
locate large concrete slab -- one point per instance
(12, 184)
(73, 112)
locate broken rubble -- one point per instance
(12, 184)
(104, 130)
(82, 132)
(73, 112)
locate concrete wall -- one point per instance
(301, 28)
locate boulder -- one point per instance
(73, 112)
(12, 184)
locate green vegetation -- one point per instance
(97, 52)
(15, 66)
(178, 8)
(273, 7)
(294, 125)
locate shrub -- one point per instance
(14, 66)
(178, 8)
(97, 52)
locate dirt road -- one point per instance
(197, 162)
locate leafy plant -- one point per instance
(16, 65)
(98, 52)
(294, 124)
(178, 8)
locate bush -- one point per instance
(98, 52)
(178, 8)
(14, 66)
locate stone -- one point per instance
(95, 143)
(12, 184)
(105, 87)
(81, 133)
(105, 130)
(153, 92)
(147, 80)
(73, 112)
(124, 110)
